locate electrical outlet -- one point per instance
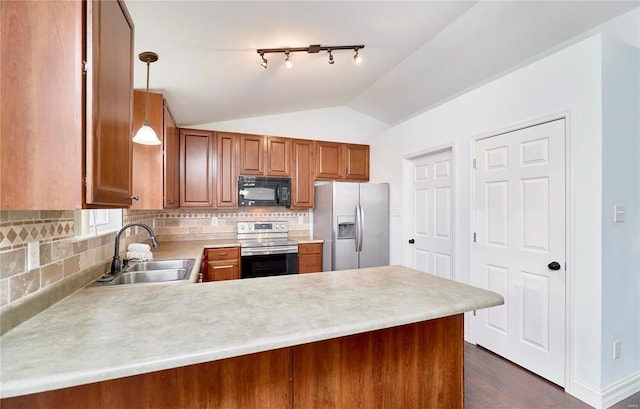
(214, 221)
(616, 349)
(33, 255)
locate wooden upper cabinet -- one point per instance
(227, 170)
(109, 104)
(302, 172)
(43, 131)
(329, 160)
(197, 168)
(147, 166)
(357, 162)
(278, 156)
(251, 154)
(171, 160)
(264, 155)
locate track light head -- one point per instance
(331, 61)
(287, 60)
(264, 61)
(356, 57)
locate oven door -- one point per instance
(265, 265)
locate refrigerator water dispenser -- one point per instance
(346, 227)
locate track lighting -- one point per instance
(312, 49)
(264, 61)
(287, 61)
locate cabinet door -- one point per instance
(171, 160)
(226, 178)
(329, 160)
(196, 168)
(251, 155)
(357, 162)
(311, 263)
(41, 46)
(278, 156)
(109, 104)
(223, 270)
(147, 166)
(302, 174)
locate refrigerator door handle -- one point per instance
(357, 224)
(362, 227)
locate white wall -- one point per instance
(620, 185)
(567, 81)
(341, 124)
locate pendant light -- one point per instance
(146, 135)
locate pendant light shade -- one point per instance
(146, 135)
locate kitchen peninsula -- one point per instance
(384, 337)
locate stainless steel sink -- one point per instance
(160, 265)
(156, 271)
(151, 276)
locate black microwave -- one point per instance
(264, 191)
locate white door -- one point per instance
(520, 233)
(431, 224)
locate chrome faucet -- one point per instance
(116, 265)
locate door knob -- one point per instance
(554, 265)
(411, 241)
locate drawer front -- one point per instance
(311, 248)
(309, 263)
(224, 253)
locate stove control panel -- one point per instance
(263, 227)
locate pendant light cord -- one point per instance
(146, 116)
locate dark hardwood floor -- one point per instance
(492, 382)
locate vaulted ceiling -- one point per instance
(417, 53)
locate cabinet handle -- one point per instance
(219, 267)
(135, 197)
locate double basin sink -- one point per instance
(151, 272)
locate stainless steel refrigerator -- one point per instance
(353, 221)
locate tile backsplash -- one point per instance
(66, 263)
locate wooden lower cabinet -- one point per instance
(412, 366)
(309, 258)
(221, 264)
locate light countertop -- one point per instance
(105, 333)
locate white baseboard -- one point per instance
(620, 390)
(586, 393)
(607, 396)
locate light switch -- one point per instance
(618, 213)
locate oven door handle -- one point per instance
(258, 251)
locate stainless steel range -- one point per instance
(266, 250)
